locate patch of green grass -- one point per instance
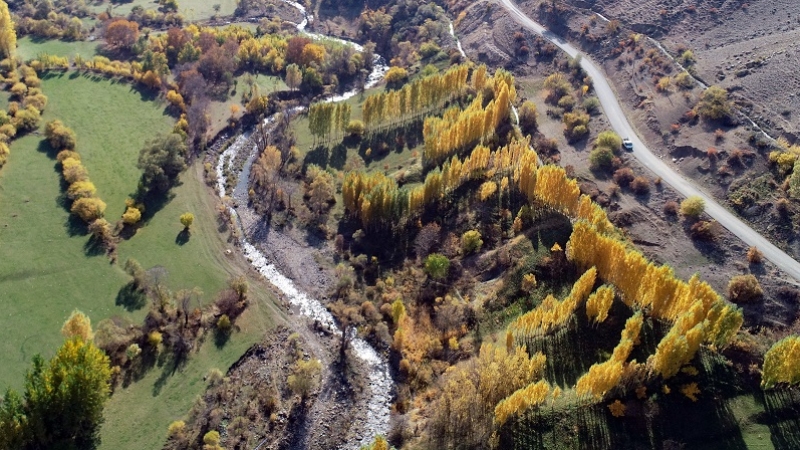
(196, 260)
(137, 416)
(29, 48)
(45, 271)
(112, 121)
(191, 10)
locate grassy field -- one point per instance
(190, 9)
(29, 48)
(112, 121)
(46, 272)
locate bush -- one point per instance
(396, 76)
(610, 140)
(591, 105)
(81, 189)
(305, 377)
(59, 136)
(671, 208)
(640, 185)
(754, 255)
(132, 216)
(624, 176)
(528, 118)
(429, 49)
(356, 128)
(744, 288)
(693, 207)
(224, 323)
(187, 219)
(88, 209)
(436, 266)
(714, 104)
(471, 242)
(601, 158)
(705, 230)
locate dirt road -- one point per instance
(686, 187)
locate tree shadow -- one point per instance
(320, 156)
(221, 337)
(338, 156)
(131, 297)
(183, 237)
(76, 227)
(94, 246)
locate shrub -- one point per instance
(693, 207)
(356, 128)
(671, 208)
(624, 176)
(576, 125)
(81, 189)
(224, 323)
(714, 104)
(187, 219)
(528, 118)
(591, 105)
(640, 185)
(429, 49)
(754, 255)
(396, 76)
(154, 339)
(610, 140)
(744, 288)
(600, 158)
(59, 136)
(305, 377)
(705, 230)
(132, 216)
(88, 209)
(471, 242)
(436, 266)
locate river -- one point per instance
(376, 420)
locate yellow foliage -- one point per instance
(602, 377)
(551, 313)
(599, 303)
(617, 409)
(782, 363)
(520, 401)
(78, 325)
(487, 190)
(690, 391)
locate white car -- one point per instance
(627, 144)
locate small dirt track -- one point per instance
(686, 187)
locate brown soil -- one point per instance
(752, 47)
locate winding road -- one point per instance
(619, 122)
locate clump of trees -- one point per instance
(62, 401)
(85, 204)
(161, 160)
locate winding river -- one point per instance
(376, 418)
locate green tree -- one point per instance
(436, 266)
(62, 405)
(161, 161)
(187, 219)
(8, 37)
